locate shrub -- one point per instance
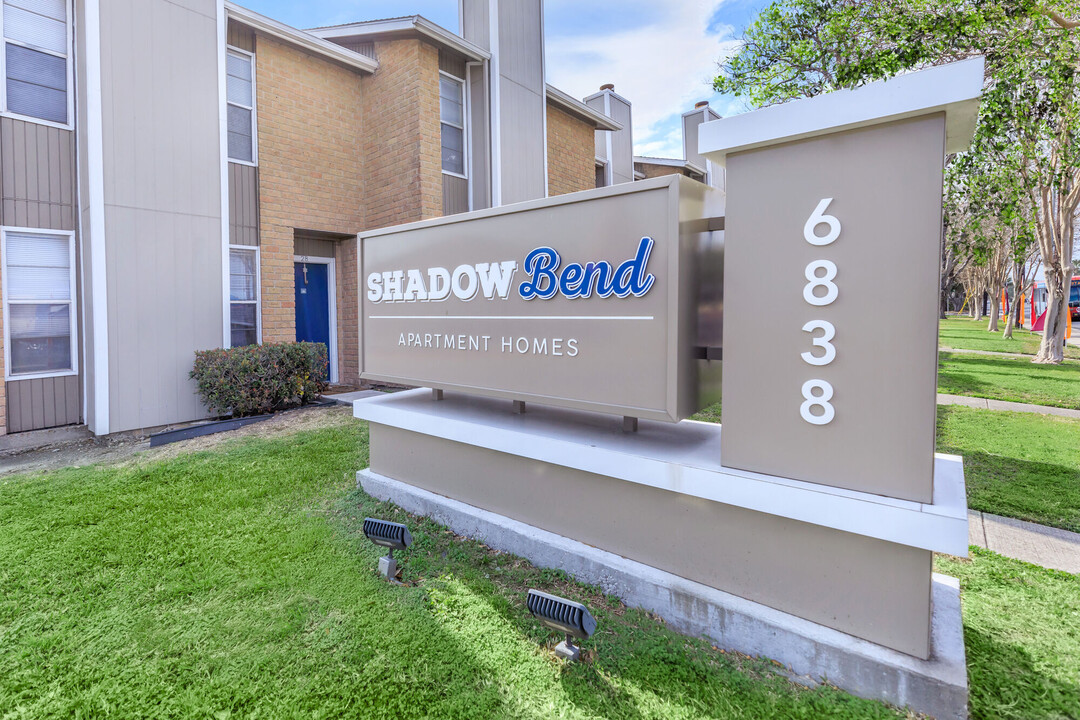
(257, 379)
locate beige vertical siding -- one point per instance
(87, 367)
(363, 47)
(241, 37)
(162, 192)
(522, 101)
(452, 63)
(37, 190)
(42, 403)
(243, 204)
(37, 182)
(476, 22)
(691, 125)
(312, 247)
(479, 137)
(622, 143)
(455, 193)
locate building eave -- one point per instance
(669, 162)
(440, 36)
(300, 38)
(580, 110)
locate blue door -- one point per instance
(312, 303)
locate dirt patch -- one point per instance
(127, 448)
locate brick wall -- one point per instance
(310, 168)
(348, 312)
(571, 153)
(652, 171)
(402, 149)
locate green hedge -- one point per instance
(258, 379)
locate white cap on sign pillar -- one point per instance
(953, 89)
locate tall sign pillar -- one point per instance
(833, 233)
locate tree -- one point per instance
(1027, 139)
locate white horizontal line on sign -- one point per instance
(510, 317)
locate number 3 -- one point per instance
(822, 342)
(822, 401)
(819, 218)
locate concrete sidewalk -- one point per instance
(984, 404)
(1036, 544)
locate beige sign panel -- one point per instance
(586, 301)
(831, 288)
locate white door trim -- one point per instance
(331, 289)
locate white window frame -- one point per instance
(72, 303)
(70, 124)
(257, 302)
(254, 162)
(463, 127)
(331, 289)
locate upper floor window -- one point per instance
(39, 303)
(240, 89)
(452, 115)
(36, 58)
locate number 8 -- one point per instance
(822, 401)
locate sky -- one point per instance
(661, 56)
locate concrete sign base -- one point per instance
(811, 652)
(836, 559)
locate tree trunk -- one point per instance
(1009, 322)
(1052, 348)
(992, 326)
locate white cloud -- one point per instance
(662, 67)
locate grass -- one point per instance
(237, 583)
(1010, 379)
(1019, 465)
(1022, 636)
(961, 333)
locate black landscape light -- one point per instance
(390, 535)
(566, 616)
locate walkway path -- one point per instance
(984, 404)
(995, 353)
(1036, 544)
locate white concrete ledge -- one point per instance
(937, 686)
(679, 457)
(953, 89)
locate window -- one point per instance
(452, 114)
(39, 313)
(240, 90)
(243, 296)
(36, 59)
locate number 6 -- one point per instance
(818, 218)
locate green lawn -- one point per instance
(962, 333)
(1022, 635)
(1019, 465)
(1008, 378)
(237, 583)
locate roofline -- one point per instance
(302, 39)
(572, 105)
(416, 23)
(669, 162)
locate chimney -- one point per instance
(513, 32)
(615, 148)
(690, 122)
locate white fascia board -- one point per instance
(413, 23)
(683, 458)
(300, 38)
(953, 89)
(572, 105)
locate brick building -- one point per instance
(180, 175)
